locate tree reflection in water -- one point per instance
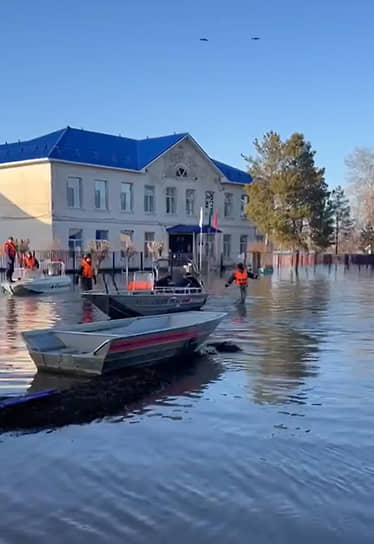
(287, 328)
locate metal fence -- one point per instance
(289, 259)
(116, 261)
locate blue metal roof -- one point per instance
(38, 148)
(84, 146)
(233, 174)
(151, 148)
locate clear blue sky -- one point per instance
(137, 67)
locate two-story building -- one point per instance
(73, 186)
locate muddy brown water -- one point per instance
(271, 444)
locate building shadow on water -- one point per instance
(114, 396)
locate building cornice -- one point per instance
(30, 162)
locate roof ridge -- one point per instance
(63, 132)
(229, 165)
(97, 132)
(180, 134)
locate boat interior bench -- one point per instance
(88, 337)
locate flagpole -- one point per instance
(201, 241)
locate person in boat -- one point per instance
(30, 262)
(252, 275)
(86, 273)
(10, 252)
(240, 277)
(166, 281)
(189, 280)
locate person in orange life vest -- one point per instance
(10, 251)
(240, 277)
(87, 273)
(30, 262)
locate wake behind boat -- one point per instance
(50, 279)
(106, 346)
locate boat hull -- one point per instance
(79, 351)
(37, 286)
(118, 306)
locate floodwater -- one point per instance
(274, 444)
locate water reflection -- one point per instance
(280, 331)
(291, 331)
(119, 396)
(11, 321)
(44, 380)
(220, 447)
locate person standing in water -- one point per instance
(240, 277)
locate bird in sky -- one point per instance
(254, 38)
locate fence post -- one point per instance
(73, 254)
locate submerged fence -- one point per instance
(316, 259)
(116, 261)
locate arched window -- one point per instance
(181, 171)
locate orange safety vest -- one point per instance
(241, 278)
(9, 249)
(29, 262)
(87, 270)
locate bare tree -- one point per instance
(99, 250)
(128, 249)
(360, 177)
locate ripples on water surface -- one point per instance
(272, 444)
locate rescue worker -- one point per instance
(10, 251)
(29, 261)
(240, 277)
(87, 273)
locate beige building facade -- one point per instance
(54, 200)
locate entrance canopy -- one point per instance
(192, 229)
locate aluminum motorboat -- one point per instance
(105, 346)
(145, 296)
(51, 278)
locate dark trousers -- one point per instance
(9, 269)
(86, 283)
(243, 293)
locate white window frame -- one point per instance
(241, 241)
(190, 202)
(72, 241)
(228, 205)
(101, 239)
(129, 207)
(244, 199)
(105, 183)
(147, 239)
(181, 171)
(209, 200)
(152, 197)
(171, 200)
(227, 245)
(77, 192)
